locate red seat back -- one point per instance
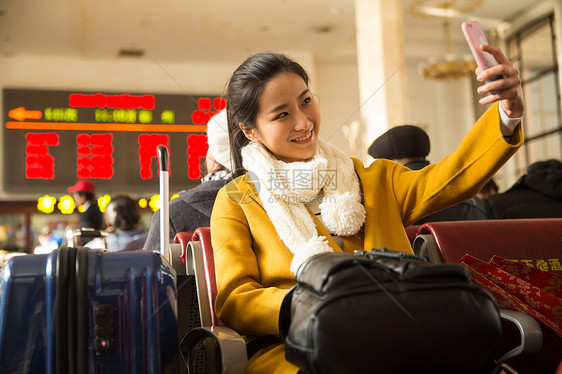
(536, 242)
(183, 238)
(412, 231)
(203, 235)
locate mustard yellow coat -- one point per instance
(252, 264)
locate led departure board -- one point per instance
(53, 138)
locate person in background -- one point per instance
(83, 193)
(297, 195)
(489, 189)
(537, 194)
(48, 240)
(122, 218)
(409, 145)
(193, 207)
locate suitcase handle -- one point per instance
(163, 160)
(163, 157)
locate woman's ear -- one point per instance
(249, 133)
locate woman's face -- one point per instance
(288, 120)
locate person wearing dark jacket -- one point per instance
(537, 194)
(409, 145)
(193, 207)
(84, 194)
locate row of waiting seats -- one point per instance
(536, 242)
(212, 347)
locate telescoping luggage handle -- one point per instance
(163, 158)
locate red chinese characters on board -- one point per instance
(94, 152)
(39, 164)
(112, 101)
(204, 112)
(196, 150)
(94, 155)
(147, 151)
(197, 144)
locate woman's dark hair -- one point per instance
(243, 95)
(122, 213)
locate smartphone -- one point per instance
(475, 37)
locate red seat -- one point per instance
(412, 232)
(535, 242)
(203, 236)
(183, 238)
(225, 349)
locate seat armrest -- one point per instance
(194, 265)
(182, 238)
(227, 347)
(424, 245)
(176, 260)
(529, 330)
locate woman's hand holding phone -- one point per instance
(502, 78)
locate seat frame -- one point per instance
(225, 349)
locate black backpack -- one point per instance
(388, 312)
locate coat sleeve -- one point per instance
(455, 178)
(243, 302)
(459, 176)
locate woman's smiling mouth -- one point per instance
(304, 139)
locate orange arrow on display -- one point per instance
(20, 114)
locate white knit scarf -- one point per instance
(285, 188)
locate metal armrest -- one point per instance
(529, 329)
(227, 346)
(194, 265)
(175, 259)
(424, 246)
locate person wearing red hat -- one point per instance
(83, 193)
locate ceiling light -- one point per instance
(443, 8)
(449, 66)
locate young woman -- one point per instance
(302, 196)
